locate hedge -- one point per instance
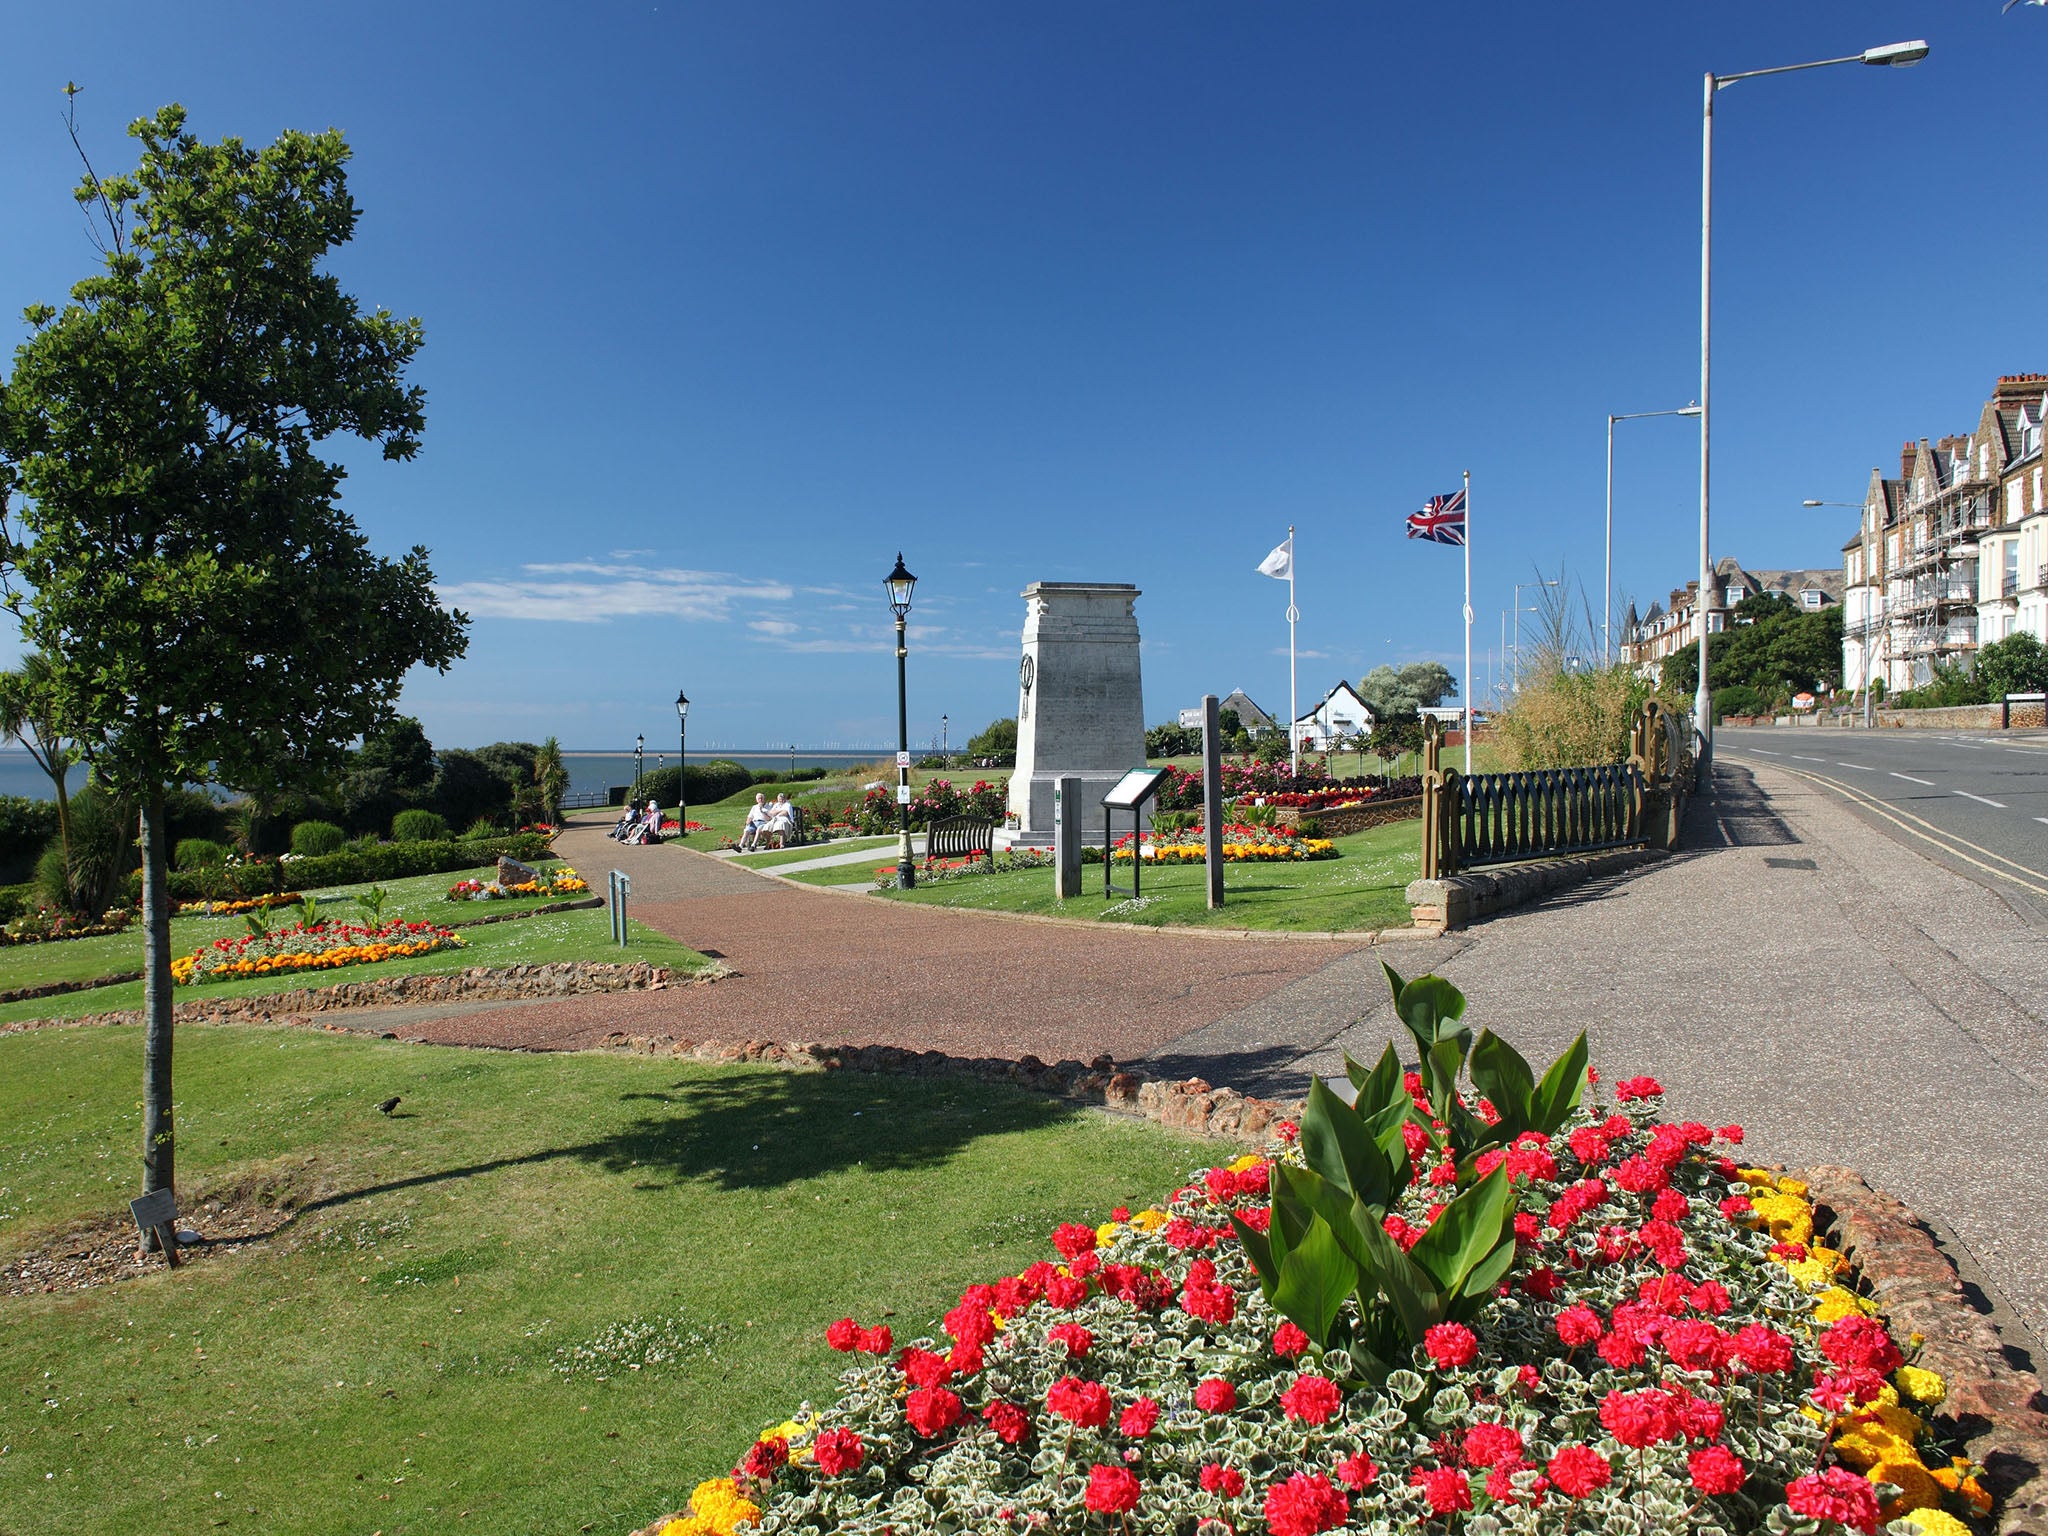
(352, 866)
(25, 826)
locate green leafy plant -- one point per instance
(1327, 1260)
(372, 902)
(309, 911)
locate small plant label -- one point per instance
(157, 1212)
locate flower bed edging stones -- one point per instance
(477, 983)
(1997, 1409)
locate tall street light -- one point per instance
(1869, 620)
(639, 760)
(682, 764)
(901, 584)
(1896, 54)
(1607, 599)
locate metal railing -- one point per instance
(1504, 818)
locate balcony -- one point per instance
(2040, 577)
(2010, 587)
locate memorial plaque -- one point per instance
(158, 1208)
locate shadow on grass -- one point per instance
(763, 1130)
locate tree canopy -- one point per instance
(1398, 693)
(1773, 646)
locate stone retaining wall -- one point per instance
(1457, 900)
(478, 983)
(1963, 717)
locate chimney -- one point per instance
(2014, 387)
(1906, 460)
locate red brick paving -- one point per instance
(820, 965)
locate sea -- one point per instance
(589, 772)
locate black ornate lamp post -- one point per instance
(639, 761)
(901, 584)
(946, 741)
(682, 765)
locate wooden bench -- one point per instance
(961, 837)
(795, 837)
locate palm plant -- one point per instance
(27, 715)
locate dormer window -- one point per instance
(2030, 432)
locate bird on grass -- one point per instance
(389, 1104)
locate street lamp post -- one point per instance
(1607, 597)
(901, 584)
(1546, 582)
(946, 741)
(1896, 54)
(639, 760)
(682, 764)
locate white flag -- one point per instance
(1280, 563)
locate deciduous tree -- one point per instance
(176, 548)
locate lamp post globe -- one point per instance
(900, 585)
(682, 764)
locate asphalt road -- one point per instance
(1975, 803)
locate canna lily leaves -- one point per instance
(1338, 1145)
(1499, 1072)
(1472, 1228)
(1430, 1007)
(1260, 1252)
(1379, 1087)
(1314, 1280)
(1554, 1099)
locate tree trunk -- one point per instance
(60, 770)
(159, 1145)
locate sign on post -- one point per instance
(1129, 793)
(157, 1213)
(902, 759)
(1212, 798)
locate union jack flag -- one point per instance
(1442, 520)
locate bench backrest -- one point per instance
(958, 836)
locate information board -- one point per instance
(1134, 788)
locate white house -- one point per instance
(1341, 715)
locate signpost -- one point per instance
(156, 1215)
(1129, 793)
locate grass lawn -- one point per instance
(1362, 889)
(551, 1294)
(776, 856)
(584, 935)
(725, 818)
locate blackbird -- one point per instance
(389, 1104)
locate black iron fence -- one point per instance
(1505, 818)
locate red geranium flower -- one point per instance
(1716, 1469)
(1010, 1422)
(1085, 1403)
(1447, 1488)
(844, 1335)
(877, 1340)
(1358, 1471)
(1289, 1341)
(1072, 1239)
(1576, 1470)
(1306, 1504)
(1215, 1396)
(932, 1411)
(1076, 1339)
(837, 1451)
(1225, 1482)
(1489, 1445)
(1451, 1345)
(1138, 1419)
(1835, 1494)
(1578, 1324)
(922, 1368)
(1638, 1088)
(1763, 1349)
(1312, 1399)
(1111, 1490)
(764, 1458)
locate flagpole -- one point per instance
(1293, 705)
(1467, 679)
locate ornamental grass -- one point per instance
(318, 947)
(1490, 1304)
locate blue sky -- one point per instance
(725, 304)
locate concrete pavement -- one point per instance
(1797, 971)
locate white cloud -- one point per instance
(590, 592)
(773, 626)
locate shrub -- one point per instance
(25, 827)
(102, 853)
(1740, 699)
(311, 839)
(199, 853)
(466, 787)
(15, 900)
(385, 861)
(1566, 719)
(418, 826)
(479, 829)
(996, 746)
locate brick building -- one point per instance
(1670, 625)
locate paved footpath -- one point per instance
(850, 969)
(1845, 999)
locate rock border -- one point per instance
(1457, 901)
(477, 983)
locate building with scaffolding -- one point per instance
(1953, 553)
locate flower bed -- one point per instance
(930, 869)
(43, 926)
(1501, 1309)
(1241, 845)
(324, 946)
(236, 908)
(561, 881)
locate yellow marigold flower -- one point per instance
(1810, 1272)
(1789, 1220)
(1836, 1304)
(1247, 1163)
(1106, 1233)
(1150, 1221)
(1796, 1188)
(1836, 1262)
(1936, 1522)
(1873, 1435)
(688, 1525)
(1917, 1490)
(1920, 1384)
(1756, 1179)
(720, 1508)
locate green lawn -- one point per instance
(1362, 889)
(446, 1339)
(775, 856)
(582, 935)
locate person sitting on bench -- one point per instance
(757, 818)
(625, 822)
(781, 820)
